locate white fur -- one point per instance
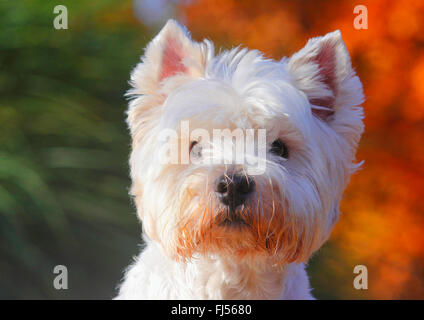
(311, 101)
(154, 276)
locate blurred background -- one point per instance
(64, 144)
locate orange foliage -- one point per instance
(382, 224)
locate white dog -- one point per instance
(216, 230)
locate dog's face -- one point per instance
(276, 203)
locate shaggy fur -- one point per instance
(310, 101)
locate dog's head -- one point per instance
(258, 152)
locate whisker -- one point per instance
(273, 205)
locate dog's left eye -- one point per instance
(279, 148)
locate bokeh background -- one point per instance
(64, 143)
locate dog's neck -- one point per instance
(154, 275)
(216, 277)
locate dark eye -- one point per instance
(279, 148)
(195, 149)
(192, 144)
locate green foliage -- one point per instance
(64, 147)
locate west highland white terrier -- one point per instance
(220, 221)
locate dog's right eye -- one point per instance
(195, 150)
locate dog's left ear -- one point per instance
(170, 53)
(323, 71)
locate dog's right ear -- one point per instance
(171, 53)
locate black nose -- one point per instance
(233, 190)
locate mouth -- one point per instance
(232, 219)
(235, 223)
